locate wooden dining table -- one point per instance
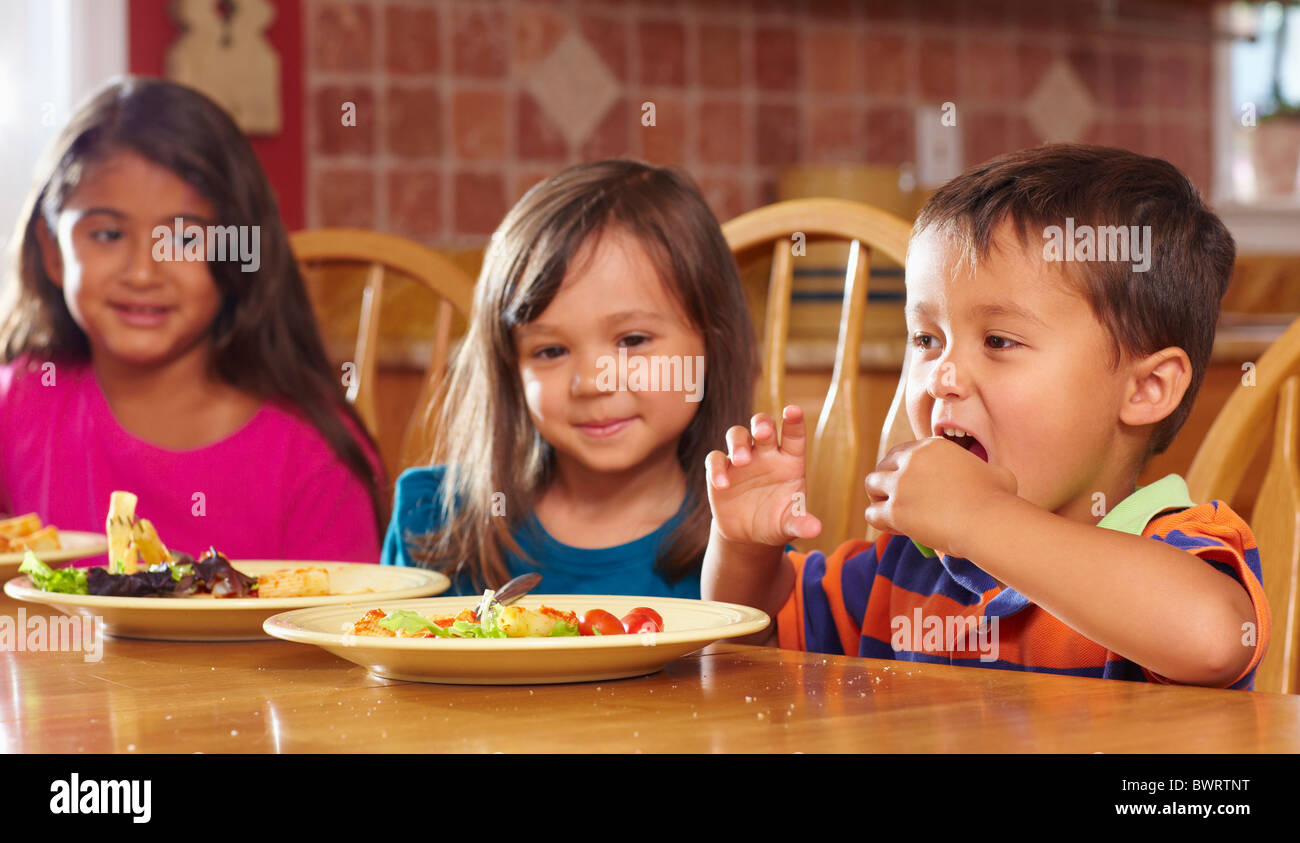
(280, 697)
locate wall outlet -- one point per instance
(938, 144)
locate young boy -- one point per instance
(1061, 305)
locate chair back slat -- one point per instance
(383, 254)
(1243, 423)
(1277, 533)
(1269, 395)
(897, 429)
(776, 330)
(833, 457)
(833, 453)
(418, 439)
(366, 356)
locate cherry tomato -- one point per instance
(655, 616)
(642, 619)
(599, 622)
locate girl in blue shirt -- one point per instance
(576, 416)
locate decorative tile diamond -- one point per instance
(1060, 109)
(574, 88)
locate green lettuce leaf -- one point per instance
(404, 620)
(61, 580)
(564, 628)
(489, 627)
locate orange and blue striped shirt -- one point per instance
(890, 600)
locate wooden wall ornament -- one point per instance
(223, 52)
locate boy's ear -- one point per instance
(1157, 385)
(51, 258)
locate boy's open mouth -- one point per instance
(967, 441)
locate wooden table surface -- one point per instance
(274, 696)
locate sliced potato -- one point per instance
(43, 539)
(121, 533)
(147, 544)
(300, 582)
(518, 622)
(26, 533)
(23, 525)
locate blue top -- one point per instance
(623, 569)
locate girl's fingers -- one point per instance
(793, 435)
(763, 427)
(739, 445)
(715, 470)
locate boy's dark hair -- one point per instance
(1175, 302)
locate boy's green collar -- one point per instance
(1132, 514)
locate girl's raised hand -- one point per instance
(757, 490)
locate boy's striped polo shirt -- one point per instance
(890, 600)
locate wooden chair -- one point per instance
(388, 253)
(835, 447)
(1269, 393)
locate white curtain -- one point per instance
(53, 54)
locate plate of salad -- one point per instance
(542, 639)
(149, 591)
(212, 598)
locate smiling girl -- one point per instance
(553, 455)
(199, 384)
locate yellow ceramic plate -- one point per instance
(688, 626)
(76, 545)
(207, 618)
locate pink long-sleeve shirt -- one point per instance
(271, 490)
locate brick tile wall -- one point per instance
(461, 105)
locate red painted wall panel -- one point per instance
(151, 31)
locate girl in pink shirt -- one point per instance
(156, 337)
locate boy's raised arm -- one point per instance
(757, 493)
(751, 575)
(1153, 604)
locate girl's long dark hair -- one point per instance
(265, 339)
(487, 439)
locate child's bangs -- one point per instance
(555, 255)
(658, 208)
(971, 238)
(62, 184)
(533, 275)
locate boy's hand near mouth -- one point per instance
(933, 491)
